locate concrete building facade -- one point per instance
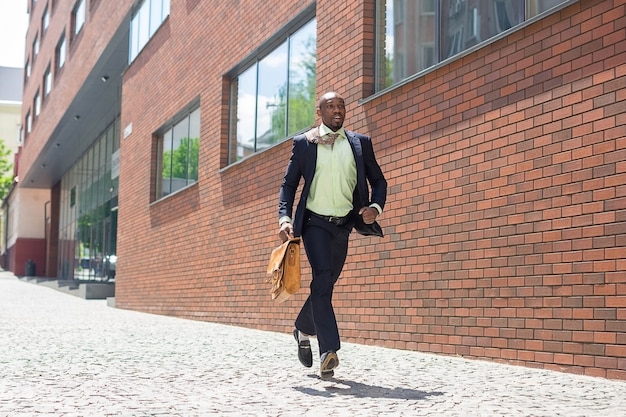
(160, 131)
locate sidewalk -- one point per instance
(61, 355)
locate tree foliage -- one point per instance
(298, 99)
(182, 162)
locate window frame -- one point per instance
(76, 28)
(380, 45)
(60, 51)
(47, 82)
(37, 104)
(275, 42)
(28, 123)
(36, 46)
(136, 42)
(159, 137)
(45, 20)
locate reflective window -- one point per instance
(275, 96)
(36, 46)
(417, 34)
(60, 54)
(88, 216)
(147, 18)
(178, 152)
(535, 7)
(79, 16)
(47, 82)
(45, 20)
(37, 103)
(29, 122)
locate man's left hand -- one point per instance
(369, 214)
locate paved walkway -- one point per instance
(64, 356)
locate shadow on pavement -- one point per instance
(360, 390)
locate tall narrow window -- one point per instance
(275, 96)
(29, 122)
(36, 46)
(60, 54)
(78, 16)
(37, 103)
(45, 20)
(178, 152)
(47, 82)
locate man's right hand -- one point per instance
(286, 231)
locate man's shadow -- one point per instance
(359, 390)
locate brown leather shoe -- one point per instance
(328, 362)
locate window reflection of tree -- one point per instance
(274, 98)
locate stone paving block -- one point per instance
(65, 356)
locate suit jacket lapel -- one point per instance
(355, 143)
(311, 161)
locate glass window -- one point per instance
(147, 18)
(428, 6)
(271, 98)
(144, 23)
(60, 53)
(27, 69)
(29, 122)
(301, 105)
(88, 220)
(79, 16)
(178, 149)
(156, 16)
(417, 34)
(37, 103)
(45, 20)
(275, 96)
(535, 7)
(35, 46)
(47, 82)
(465, 24)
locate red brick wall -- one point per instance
(25, 250)
(506, 218)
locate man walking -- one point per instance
(337, 166)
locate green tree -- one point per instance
(182, 162)
(6, 170)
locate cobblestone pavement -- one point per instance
(65, 356)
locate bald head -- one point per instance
(326, 97)
(332, 109)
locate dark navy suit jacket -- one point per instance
(302, 165)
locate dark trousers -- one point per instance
(326, 247)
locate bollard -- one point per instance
(31, 268)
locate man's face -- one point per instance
(333, 112)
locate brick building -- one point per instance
(159, 130)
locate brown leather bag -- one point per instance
(283, 271)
